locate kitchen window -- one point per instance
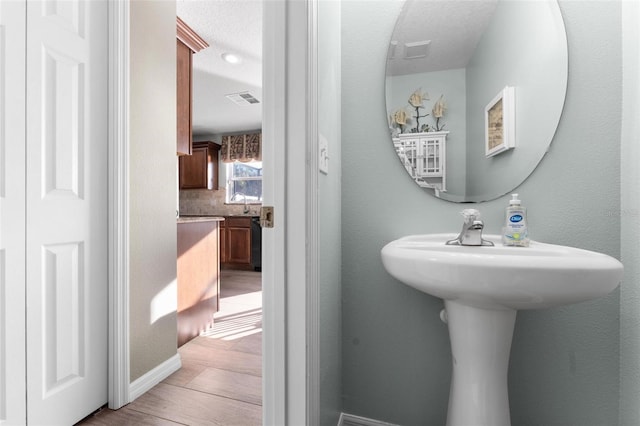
(244, 182)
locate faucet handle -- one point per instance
(470, 215)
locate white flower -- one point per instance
(439, 107)
(399, 117)
(417, 97)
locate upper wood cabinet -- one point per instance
(200, 169)
(188, 43)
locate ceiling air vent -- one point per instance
(243, 98)
(416, 49)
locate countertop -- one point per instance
(191, 219)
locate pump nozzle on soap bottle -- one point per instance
(515, 231)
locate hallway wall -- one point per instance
(153, 292)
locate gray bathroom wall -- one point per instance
(395, 351)
(523, 47)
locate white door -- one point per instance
(12, 212)
(66, 210)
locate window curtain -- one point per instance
(242, 148)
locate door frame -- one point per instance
(291, 326)
(119, 40)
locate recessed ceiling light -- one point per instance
(231, 58)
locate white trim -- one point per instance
(312, 173)
(274, 361)
(351, 420)
(155, 376)
(118, 370)
(629, 208)
(298, 214)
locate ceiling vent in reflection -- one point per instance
(243, 98)
(416, 49)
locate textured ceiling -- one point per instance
(454, 28)
(229, 26)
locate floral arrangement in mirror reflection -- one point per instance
(416, 100)
(398, 119)
(438, 111)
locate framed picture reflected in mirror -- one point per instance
(499, 122)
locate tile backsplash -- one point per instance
(211, 203)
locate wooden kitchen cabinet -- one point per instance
(235, 243)
(200, 169)
(188, 43)
(198, 272)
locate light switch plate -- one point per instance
(323, 158)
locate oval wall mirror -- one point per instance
(474, 92)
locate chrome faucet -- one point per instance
(471, 233)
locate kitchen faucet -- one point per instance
(244, 197)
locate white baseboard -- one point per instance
(351, 420)
(153, 377)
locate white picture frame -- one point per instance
(499, 123)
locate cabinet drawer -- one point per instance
(237, 222)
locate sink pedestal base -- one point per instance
(480, 346)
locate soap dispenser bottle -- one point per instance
(515, 232)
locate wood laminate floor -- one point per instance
(220, 382)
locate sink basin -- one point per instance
(483, 287)
(499, 277)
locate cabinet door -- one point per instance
(200, 169)
(432, 165)
(239, 247)
(193, 169)
(184, 55)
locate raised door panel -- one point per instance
(66, 198)
(239, 248)
(12, 213)
(184, 87)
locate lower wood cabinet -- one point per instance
(198, 277)
(235, 243)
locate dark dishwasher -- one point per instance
(256, 243)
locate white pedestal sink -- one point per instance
(483, 287)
